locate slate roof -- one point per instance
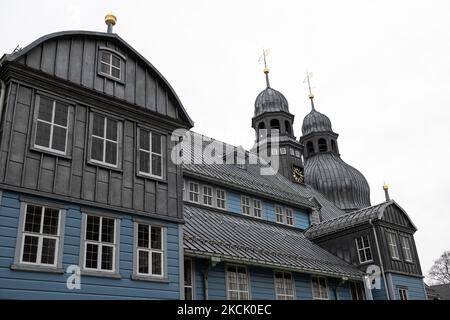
(347, 221)
(315, 122)
(270, 100)
(275, 187)
(236, 238)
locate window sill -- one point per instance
(149, 278)
(365, 262)
(102, 274)
(55, 154)
(103, 165)
(36, 268)
(149, 177)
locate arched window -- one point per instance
(287, 126)
(261, 127)
(275, 124)
(333, 145)
(322, 145)
(310, 147)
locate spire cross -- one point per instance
(308, 81)
(266, 69)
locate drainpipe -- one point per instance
(381, 260)
(2, 97)
(205, 282)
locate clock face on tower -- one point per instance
(297, 174)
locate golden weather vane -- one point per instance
(263, 59)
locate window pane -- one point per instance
(187, 272)
(92, 228)
(30, 247)
(59, 138)
(111, 130)
(156, 263)
(104, 68)
(108, 230)
(105, 56)
(51, 218)
(156, 238)
(111, 152)
(115, 72)
(187, 293)
(61, 111)
(115, 61)
(144, 161)
(43, 134)
(143, 262)
(45, 109)
(48, 251)
(33, 218)
(98, 125)
(156, 165)
(91, 255)
(144, 139)
(97, 149)
(143, 236)
(156, 143)
(107, 258)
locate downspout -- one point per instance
(205, 282)
(2, 97)
(381, 260)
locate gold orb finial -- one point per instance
(385, 187)
(311, 96)
(266, 70)
(110, 19)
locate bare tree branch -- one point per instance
(440, 271)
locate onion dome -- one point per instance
(270, 100)
(342, 184)
(315, 122)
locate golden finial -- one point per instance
(385, 186)
(263, 58)
(386, 192)
(110, 21)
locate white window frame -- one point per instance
(289, 216)
(279, 215)
(190, 286)
(194, 193)
(100, 244)
(393, 247)
(110, 65)
(297, 153)
(40, 235)
(247, 279)
(406, 247)
(403, 294)
(257, 209)
(150, 250)
(105, 139)
(220, 199)
(358, 289)
(292, 151)
(363, 249)
(52, 125)
(284, 295)
(209, 195)
(245, 205)
(282, 150)
(323, 295)
(151, 153)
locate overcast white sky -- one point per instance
(381, 73)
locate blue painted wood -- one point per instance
(301, 219)
(380, 294)
(414, 285)
(269, 211)
(262, 283)
(234, 202)
(40, 285)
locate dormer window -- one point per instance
(111, 64)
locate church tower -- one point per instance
(342, 184)
(272, 113)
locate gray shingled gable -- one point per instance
(232, 237)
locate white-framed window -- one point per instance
(403, 294)
(193, 191)
(237, 283)
(392, 243)
(240, 162)
(319, 288)
(110, 64)
(297, 153)
(283, 150)
(363, 248)
(150, 153)
(357, 291)
(279, 217)
(274, 151)
(150, 250)
(292, 151)
(51, 125)
(208, 195)
(284, 285)
(188, 279)
(406, 246)
(245, 205)
(100, 243)
(289, 216)
(221, 198)
(40, 236)
(105, 137)
(257, 208)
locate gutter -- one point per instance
(381, 260)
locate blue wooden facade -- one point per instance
(18, 284)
